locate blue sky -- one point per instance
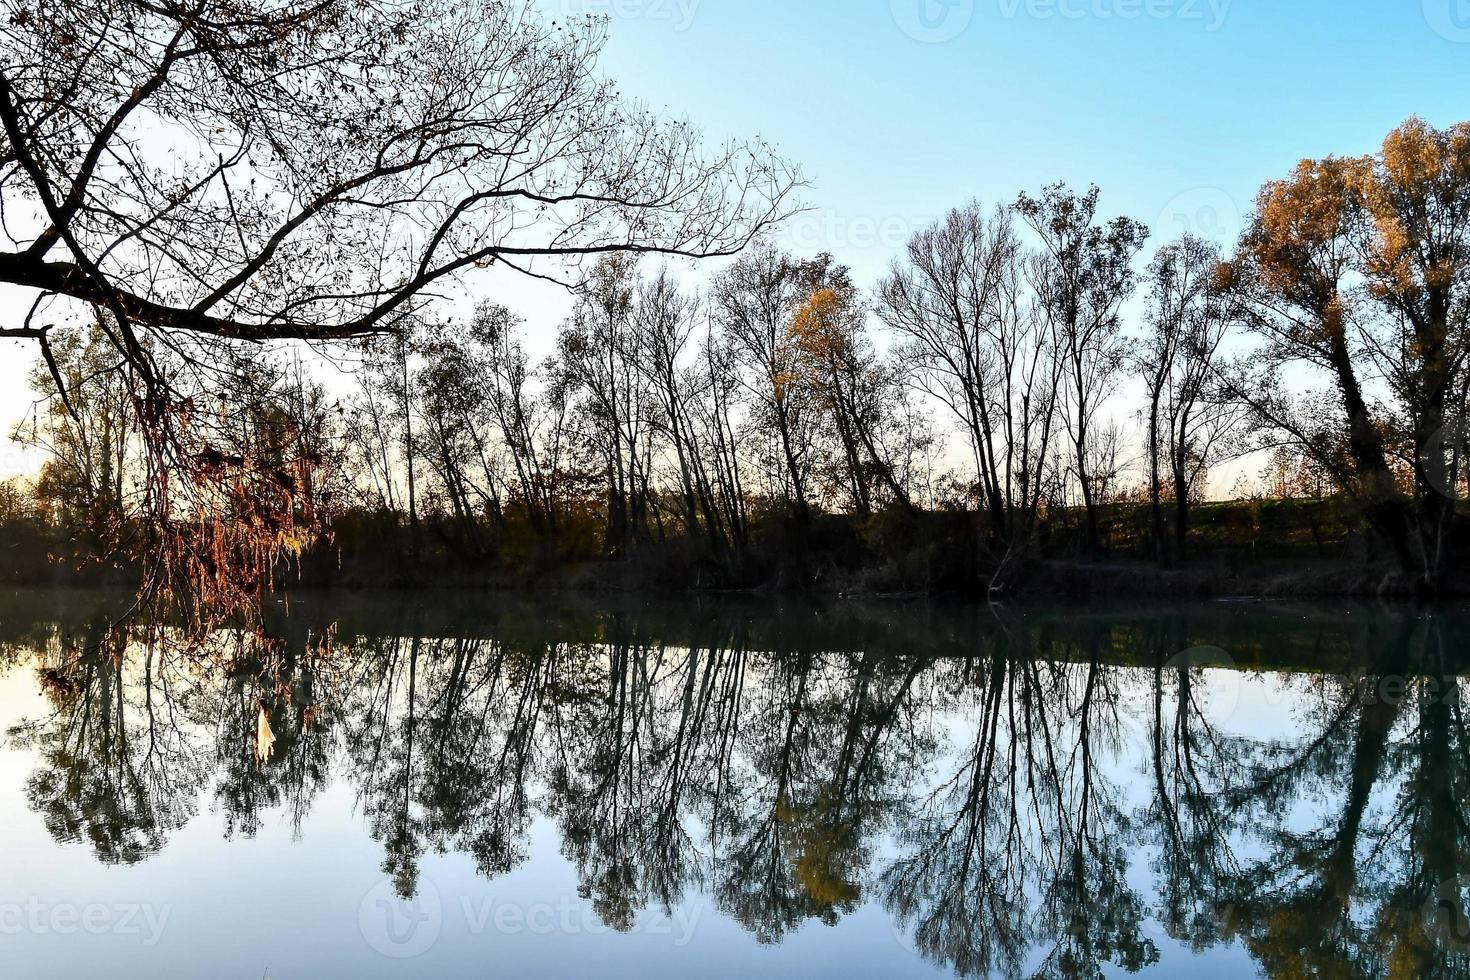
(1184, 112)
(1177, 109)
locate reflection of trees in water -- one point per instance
(270, 678)
(117, 767)
(1343, 892)
(1320, 853)
(125, 750)
(637, 753)
(996, 804)
(1017, 858)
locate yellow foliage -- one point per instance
(827, 853)
(818, 327)
(1386, 215)
(1423, 169)
(782, 381)
(1301, 218)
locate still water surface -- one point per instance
(409, 787)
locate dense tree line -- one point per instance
(328, 191)
(202, 179)
(977, 377)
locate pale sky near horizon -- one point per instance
(900, 109)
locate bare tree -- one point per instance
(755, 301)
(453, 409)
(597, 354)
(1187, 324)
(1084, 275)
(717, 380)
(520, 417)
(89, 480)
(664, 323)
(374, 438)
(974, 342)
(209, 174)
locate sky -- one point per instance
(898, 110)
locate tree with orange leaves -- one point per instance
(854, 387)
(1360, 268)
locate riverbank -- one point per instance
(1072, 579)
(1266, 549)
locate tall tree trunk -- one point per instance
(793, 471)
(413, 496)
(1155, 480)
(1385, 508)
(1181, 513)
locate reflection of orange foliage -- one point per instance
(58, 686)
(828, 854)
(822, 867)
